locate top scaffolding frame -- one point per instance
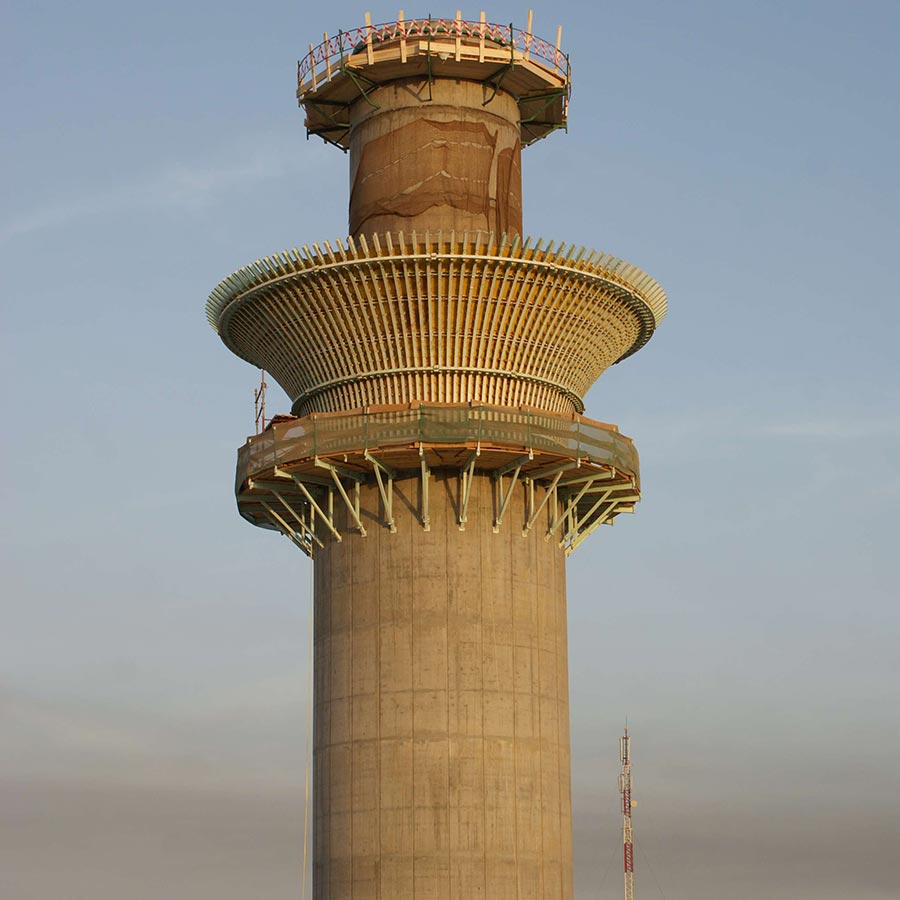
(350, 65)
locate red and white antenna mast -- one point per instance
(625, 791)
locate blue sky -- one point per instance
(152, 659)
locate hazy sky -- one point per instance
(153, 645)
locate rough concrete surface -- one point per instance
(441, 757)
(434, 157)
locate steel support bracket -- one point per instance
(318, 480)
(286, 529)
(551, 127)
(352, 505)
(466, 475)
(321, 132)
(357, 77)
(516, 463)
(505, 497)
(426, 477)
(570, 504)
(549, 97)
(600, 520)
(534, 513)
(503, 71)
(541, 474)
(307, 526)
(594, 476)
(327, 517)
(343, 471)
(385, 473)
(576, 522)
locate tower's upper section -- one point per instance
(343, 68)
(436, 297)
(434, 113)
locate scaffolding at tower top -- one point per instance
(352, 64)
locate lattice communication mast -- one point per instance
(625, 791)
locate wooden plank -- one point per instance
(369, 58)
(403, 36)
(481, 39)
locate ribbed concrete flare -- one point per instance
(403, 318)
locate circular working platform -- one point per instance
(350, 66)
(303, 476)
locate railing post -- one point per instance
(402, 25)
(370, 56)
(481, 39)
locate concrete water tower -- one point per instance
(437, 466)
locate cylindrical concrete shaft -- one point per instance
(435, 158)
(441, 706)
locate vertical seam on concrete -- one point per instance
(536, 620)
(447, 700)
(412, 703)
(562, 880)
(540, 739)
(496, 685)
(350, 698)
(378, 706)
(566, 822)
(507, 533)
(483, 735)
(326, 760)
(313, 560)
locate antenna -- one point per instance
(259, 403)
(625, 791)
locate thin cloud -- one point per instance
(717, 425)
(45, 737)
(836, 429)
(181, 186)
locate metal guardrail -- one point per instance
(325, 61)
(332, 433)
